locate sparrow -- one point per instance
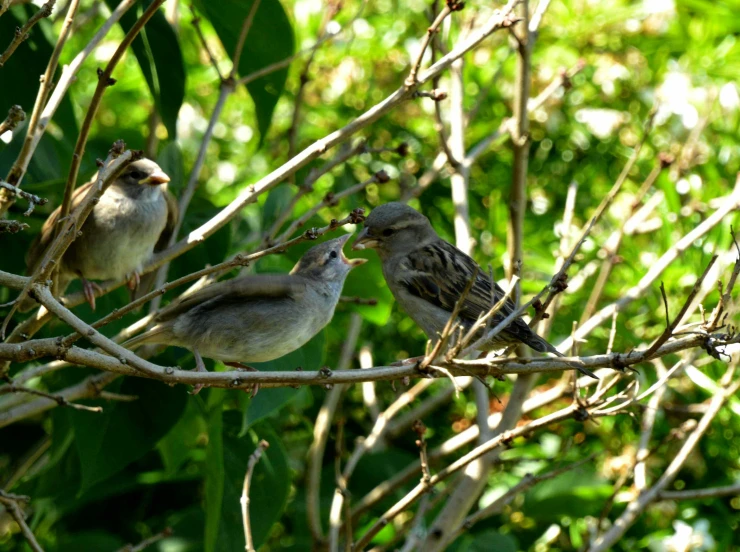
(427, 276)
(134, 217)
(256, 318)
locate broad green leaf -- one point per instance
(158, 53)
(269, 41)
(177, 446)
(215, 476)
(271, 400)
(576, 493)
(485, 541)
(24, 68)
(125, 431)
(89, 540)
(171, 161)
(270, 483)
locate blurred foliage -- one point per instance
(171, 459)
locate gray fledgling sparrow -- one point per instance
(260, 317)
(135, 214)
(427, 276)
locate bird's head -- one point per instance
(327, 261)
(143, 172)
(394, 229)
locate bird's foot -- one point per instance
(253, 389)
(133, 281)
(199, 367)
(89, 289)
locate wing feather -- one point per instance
(245, 288)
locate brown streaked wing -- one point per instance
(45, 237)
(439, 273)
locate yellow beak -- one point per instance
(156, 178)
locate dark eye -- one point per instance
(333, 255)
(388, 232)
(137, 175)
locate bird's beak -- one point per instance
(156, 178)
(351, 262)
(365, 241)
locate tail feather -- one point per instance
(543, 346)
(149, 337)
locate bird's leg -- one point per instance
(89, 288)
(241, 366)
(199, 367)
(133, 281)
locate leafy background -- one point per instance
(171, 459)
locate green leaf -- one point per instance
(177, 446)
(368, 282)
(269, 41)
(269, 401)
(158, 53)
(214, 469)
(23, 68)
(487, 540)
(89, 540)
(270, 483)
(171, 161)
(575, 493)
(125, 431)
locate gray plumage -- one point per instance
(257, 318)
(133, 215)
(427, 276)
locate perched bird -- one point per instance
(135, 214)
(427, 276)
(260, 317)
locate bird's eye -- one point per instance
(388, 232)
(333, 255)
(137, 175)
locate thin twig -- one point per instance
(113, 166)
(253, 459)
(246, 26)
(61, 401)
(15, 175)
(671, 326)
(16, 115)
(22, 33)
(11, 503)
(144, 544)
(637, 506)
(32, 199)
(104, 81)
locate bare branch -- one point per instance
(11, 503)
(22, 33)
(253, 459)
(16, 115)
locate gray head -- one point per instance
(395, 229)
(327, 262)
(142, 173)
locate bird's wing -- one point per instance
(45, 237)
(147, 280)
(245, 288)
(439, 273)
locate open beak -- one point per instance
(156, 178)
(365, 241)
(351, 262)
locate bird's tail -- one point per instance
(149, 337)
(543, 346)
